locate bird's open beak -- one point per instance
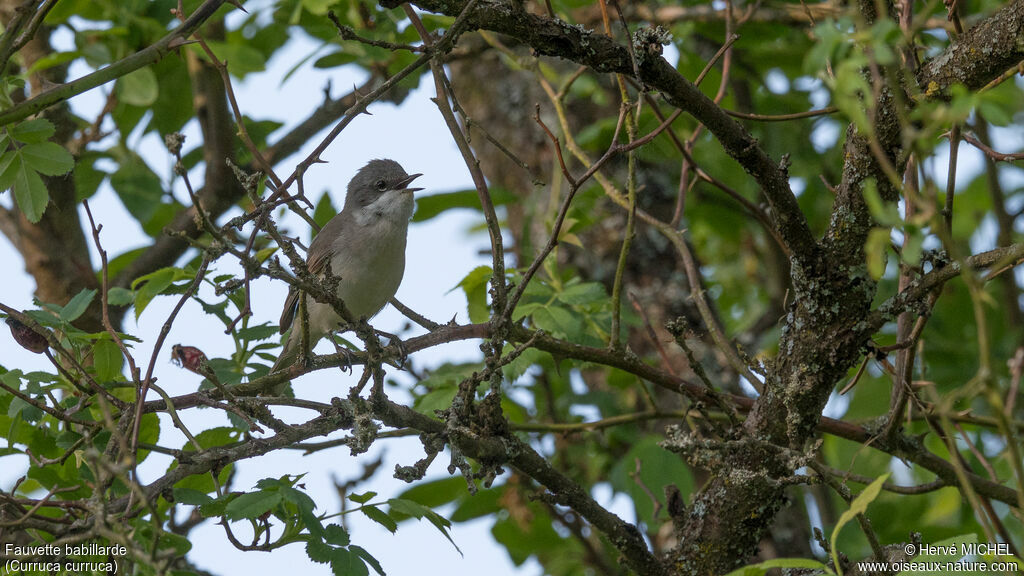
(403, 184)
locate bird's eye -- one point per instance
(381, 185)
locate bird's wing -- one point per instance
(288, 314)
(316, 262)
(320, 249)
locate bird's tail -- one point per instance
(289, 353)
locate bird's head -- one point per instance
(380, 183)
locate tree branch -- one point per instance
(979, 55)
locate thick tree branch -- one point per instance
(979, 55)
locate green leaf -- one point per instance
(171, 111)
(155, 284)
(335, 534)
(256, 333)
(368, 558)
(475, 287)
(29, 191)
(876, 250)
(118, 296)
(7, 173)
(28, 412)
(139, 188)
(107, 359)
(647, 486)
(119, 262)
(378, 516)
(190, 497)
(318, 551)
(252, 504)
(138, 88)
(858, 506)
(885, 213)
(48, 158)
(241, 59)
(32, 131)
(149, 432)
(408, 508)
(318, 7)
(324, 210)
(214, 508)
(559, 322)
(51, 60)
(585, 293)
(77, 306)
(530, 357)
(362, 498)
(435, 492)
(335, 59)
(428, 207)
(345, 563)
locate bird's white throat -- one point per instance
(395, 207)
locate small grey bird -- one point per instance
(365, 244)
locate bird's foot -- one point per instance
(394, 341)
(345, 354)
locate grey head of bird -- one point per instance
(377, 179)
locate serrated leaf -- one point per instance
(368, 558)
(335, 534)
(256, 333)
(48, 158)
(362, 498)
(428, 207)
(324, 210)
(318, 551)
(53, 59)
(214, 508)
(77, 305)
(32, 131)
(345, 563)
(190, 497)
(262, 255)
(408, 507)
(442, 524)
(155, 283)
(335, 59)
(107, 359)
(558, 321)
(378, 516)
(7, 171)
(474, 285)
(241, 59)
(29, 191)
(419, 511)
(139, 188)
(584, 293)
(252, 504)
(118, 296)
